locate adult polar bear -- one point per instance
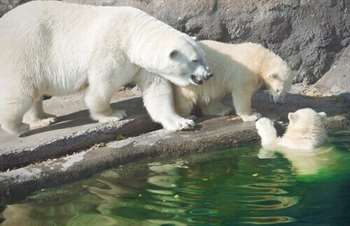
(55, 48)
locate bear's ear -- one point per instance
(173, 54)
(292, 117)
(322, 114)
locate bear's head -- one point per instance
(307, 122)
(179, 59)
(307, 126)
(184, 63)
(277, 76)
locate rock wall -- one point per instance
(6, 5)
(337, 79)
(309, 34)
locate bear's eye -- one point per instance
(173, 54)
(274, 76)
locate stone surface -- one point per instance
(74, 130)
(211, 133)
(337, 79)
(309, 34)
(20, 182)
(214, 134)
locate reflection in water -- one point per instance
(18, 214)
(317, 162)
(303, 163)
(231, 187)
(268, 220)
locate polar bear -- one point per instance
(58, 48)
(240, 70)
(305, 132)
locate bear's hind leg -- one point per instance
(216, 108)
(36, 117)
(11, 115)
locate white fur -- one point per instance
(159, 101)
(60, 48)
(240, 70)
(305, 131)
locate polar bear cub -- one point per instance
(58, 48)
(305, 132)
(240, 70)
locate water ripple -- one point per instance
(222, 189)
(268, 220)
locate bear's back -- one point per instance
(50, 13)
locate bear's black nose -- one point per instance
(196, 80)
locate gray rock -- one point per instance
(212, 133)
(6, 5)
(337, 80)
(309, 34)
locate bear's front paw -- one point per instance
(179, 124)
(249, 118)
(42, 122)
(116, 115)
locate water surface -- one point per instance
(225, 187)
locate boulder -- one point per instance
(309, 34)
(337, 80)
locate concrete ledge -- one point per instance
(214, 134)
(72, 132)
(75, 131)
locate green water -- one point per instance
(227, 187)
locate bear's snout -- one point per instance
(199, 78)
(196, 80)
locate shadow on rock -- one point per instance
(332, 105)
(133, 106)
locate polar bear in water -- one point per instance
(55, 48)
(303, 144)
(305, 132)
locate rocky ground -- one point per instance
(76, 147)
